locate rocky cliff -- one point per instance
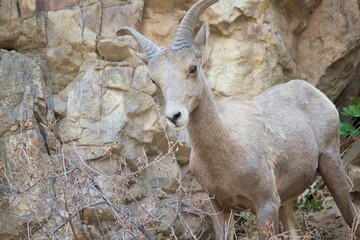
(85, 152)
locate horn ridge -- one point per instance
(148, 46)
(183, 35)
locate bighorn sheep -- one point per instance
(259, 154)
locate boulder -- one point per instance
(24, 114)
(327, 50)
(69, 42)
(20, 28)
(95, 107)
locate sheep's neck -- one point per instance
(208, 137)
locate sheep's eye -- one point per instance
(153, 81)
(193, 69)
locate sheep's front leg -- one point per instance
(268, 219)
(288, 221)
(223, 222)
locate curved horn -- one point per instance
(148, 46)
(183, 36)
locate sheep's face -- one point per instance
(178, 75)
(176, 70)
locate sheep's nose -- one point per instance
(174, 117)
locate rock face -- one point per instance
(85, 150)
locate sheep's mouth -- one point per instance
(178, 126)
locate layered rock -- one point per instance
(79, 114)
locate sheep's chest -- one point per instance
(223, 186)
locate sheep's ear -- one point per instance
(141, 56)
(201, 38)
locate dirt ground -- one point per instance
(327, 224)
